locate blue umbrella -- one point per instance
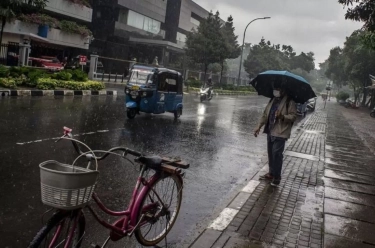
(295, 86)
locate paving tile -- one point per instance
(349, 210)
(353, 229)
(208, 237)
(332, 241)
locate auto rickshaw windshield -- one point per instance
(141, 76)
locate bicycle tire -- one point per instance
(54, 221)
(138, 233)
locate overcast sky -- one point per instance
(306, 25)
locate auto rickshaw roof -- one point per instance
(156, 69)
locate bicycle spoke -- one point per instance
(166, 192)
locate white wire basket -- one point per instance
(65, 186)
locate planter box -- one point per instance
(67, 8)
(56, 36)
(18, 27)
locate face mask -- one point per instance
(276, 93)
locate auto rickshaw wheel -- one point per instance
(177, 113)
(131, 113)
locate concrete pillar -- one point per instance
(93, 65)
(24, 52)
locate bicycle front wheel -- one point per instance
(159, 210)
(56, 232)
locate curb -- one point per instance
(57, 92)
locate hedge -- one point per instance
(50, 84)
(13, 77)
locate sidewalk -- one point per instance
(326, 197)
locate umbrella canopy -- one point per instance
(295, 86)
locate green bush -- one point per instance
(46, 84)
(74, 85)
(62, 75)
(4, 71)
(94, 85)
(8, 83)
(78, 75)
(33, 77)
(342, 96)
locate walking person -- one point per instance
(278, 119)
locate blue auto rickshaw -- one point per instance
(154, 90)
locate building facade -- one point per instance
(53, 41)
(143, 30)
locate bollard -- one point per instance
(109, 76)
(116, 78)
(122, 78)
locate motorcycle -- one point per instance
(204, 94)
(372, 114)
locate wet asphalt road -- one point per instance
(214, 137)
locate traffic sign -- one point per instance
(82, 60)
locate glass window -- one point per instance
(135, 20)
(194, 21)
(145, 23)
(181, 37)
(141, 76)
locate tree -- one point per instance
(363, 11)
(335, 69)
(352, 64)
(10, 8)
(230, 47)
(304, 61)
(265, 56)
(204, 45)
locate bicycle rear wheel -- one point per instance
(159, 208)
(55, 233)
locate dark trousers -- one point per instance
(275, 149)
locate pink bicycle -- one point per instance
(151, 214)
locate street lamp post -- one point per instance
(243, 44)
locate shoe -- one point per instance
(275, 182)
(267, 176)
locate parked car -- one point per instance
(50, 63)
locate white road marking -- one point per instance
(225, 217)
(250, 187)
(55, 138)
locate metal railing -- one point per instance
(108, 77)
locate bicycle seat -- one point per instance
(151, 161)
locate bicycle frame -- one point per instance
(128, 223)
